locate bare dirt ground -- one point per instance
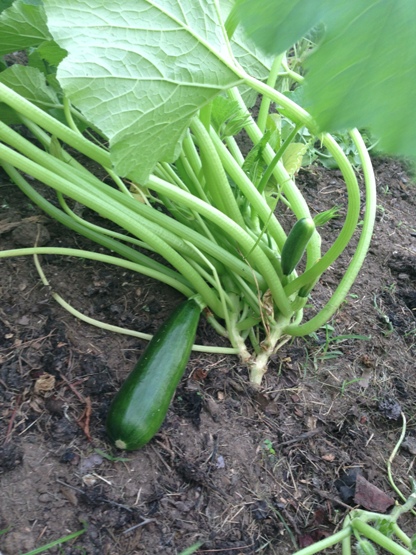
(244, 471)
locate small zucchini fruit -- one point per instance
(296, 244)
(139, 408)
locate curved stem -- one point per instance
(89, 255)
(298, 204)
(118, 329)
(392, 456)
(166, 223)
(325, 543)
(265, 101)
(214, 173)
(378, 538)
(360, 253)
(288, 187)
(350, 223)
(257, 201)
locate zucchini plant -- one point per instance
(155, 93)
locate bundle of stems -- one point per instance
(205, 214)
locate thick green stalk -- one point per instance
(53, 126)
(254, 254)
(111, 244)
(360, 253)
(168, 225)
(297, 202)
(117, 213)
(325, 543)
(346, 233)
(255, 199)
(288, 187)
(258, 367)
(217, 185)
(300, 116)
(377, 537)
(277, 157)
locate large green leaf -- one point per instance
(363, 73)
(140, 69)
(22, 25)
(275, 25)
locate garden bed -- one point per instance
(241, 469)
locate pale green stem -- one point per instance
(167, 224)
(255, 255)
(215, 176)
(235, 150)
(107, 242)
(98, 228)
(325, 543)
(378, 538)
(68, 115)
(258, 367)
(186, 171)
(191, 154)
(353, 212)
(358, 258)
(118, 329)
(89, 255)
(119, 215)
(256, 200)
(265, 101)
(392, 456)
(297, 203)
(120, 184)
(53, 126)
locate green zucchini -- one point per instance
(296, 244)
(139, 408)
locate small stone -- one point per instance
(29, 234)
(410, 445)
(390, 408)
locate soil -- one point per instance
(242, 470)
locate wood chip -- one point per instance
(370, 497)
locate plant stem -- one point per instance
(255, 255)
(119, 215)
(325, 543)
(53, 126)
(256, 200)
(351, 220)
(215, 177)
(259, 365)
(107, 242)
(99, 257)
(378, 538)
(265, 101)
(360, 253)
(117, 329)
(392, 456)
